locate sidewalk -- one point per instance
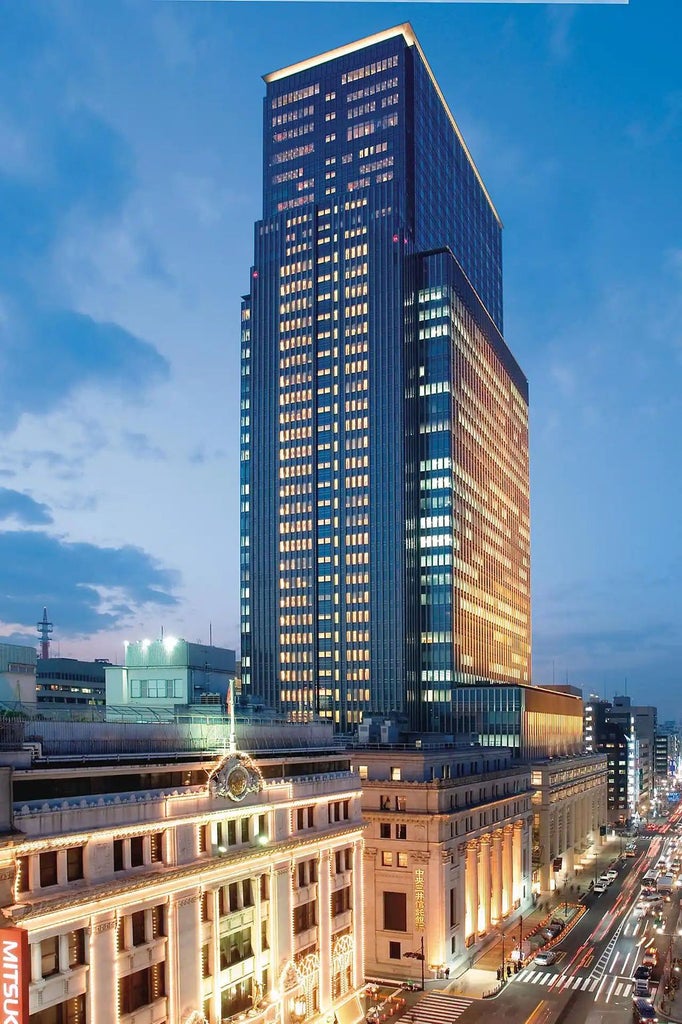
(481, 977)
(670, 1006)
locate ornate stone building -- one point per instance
(164, 889)
(447, 856)
(569, 808)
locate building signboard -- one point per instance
(15, 967)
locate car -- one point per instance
(640, 911)
(643, 1012)
(650, 898)
(546, 957)
(551, 931)
(599, 886)
(650, 958)
(605, 879)
(643, 972)
(612, 874)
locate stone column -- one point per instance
(184, 939)
(484, 891)
(358, 900)
(372, 914)
(517, 860)
(496, 898)
(325, 928)
(102, 997)
(507, 871)
(471, 885)
(282, 921)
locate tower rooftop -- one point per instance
(407, 32)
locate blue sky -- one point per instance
(130, 177)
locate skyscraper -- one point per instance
(385, 487)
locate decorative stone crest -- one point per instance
(235, 777)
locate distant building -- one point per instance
(667, 754)
(70, 681)
(17, 673)
(569, 808)
(624, 733)
(165, 673)
(533, 721)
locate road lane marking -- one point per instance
(593, 984)
(611, 988)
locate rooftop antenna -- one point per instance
(210, 634)
(44, 632)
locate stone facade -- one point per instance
(217, 894)
(447, 856)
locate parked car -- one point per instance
(643, 971)
(546, 957)
(599, 886)
(605, 879)
(551, 931)
(612, 874)
(650, 958)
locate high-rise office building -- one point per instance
(385, 486)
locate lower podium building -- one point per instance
(447, 854)
(183, 888)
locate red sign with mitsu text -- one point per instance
(14, 973)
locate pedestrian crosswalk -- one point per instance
(439, 1009)
(575, 982)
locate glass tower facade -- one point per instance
(384, 446)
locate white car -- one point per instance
(612, 874)
(605, 879)
(600, 886)
(546, 958)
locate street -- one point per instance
(591, 982)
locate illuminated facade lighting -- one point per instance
(385, 531)
(167, 904)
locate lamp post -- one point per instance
(504, 960)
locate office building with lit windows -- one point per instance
(385, 487)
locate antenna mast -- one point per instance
(44, 632)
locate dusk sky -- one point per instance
(130, 179)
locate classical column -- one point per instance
(517, 860)
(325, 926)
(184, 939)
(484, 885)
(496, 898)
(282, 919)
(471, 884)
(358, 900)
(507, 871)
(102, 997)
